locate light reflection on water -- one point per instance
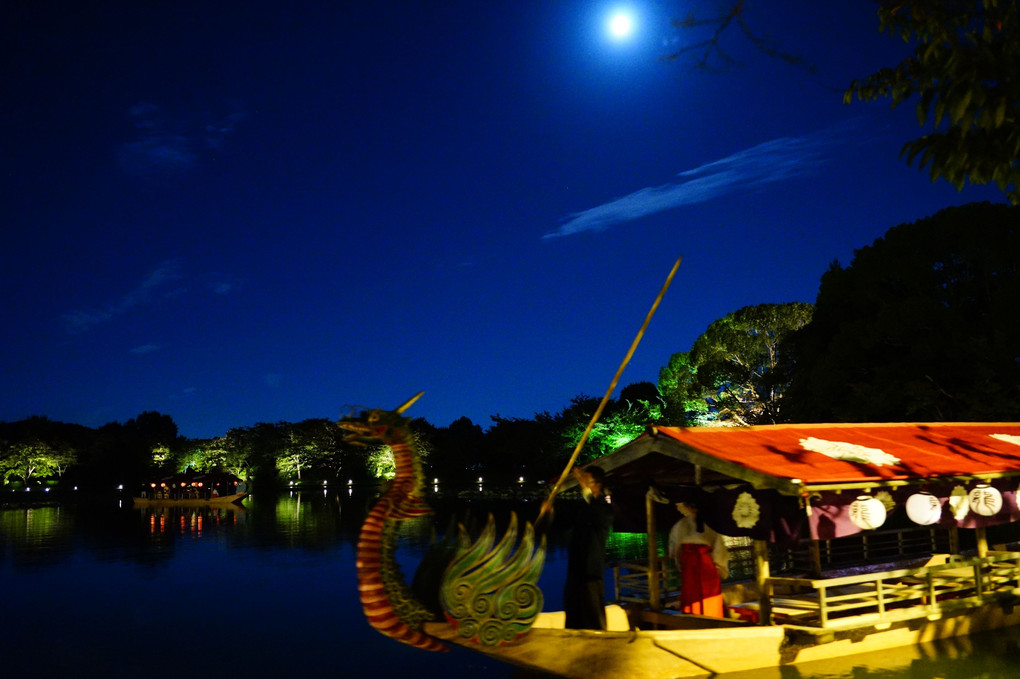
(269, 590)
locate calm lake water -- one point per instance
(101, 590)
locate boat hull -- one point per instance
(672, 654)
(221, 501)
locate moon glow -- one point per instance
(621, 25)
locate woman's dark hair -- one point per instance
(695, 503)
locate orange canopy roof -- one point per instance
(835, 454)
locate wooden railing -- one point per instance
(631, 583)
(879, 546)
(895, 595)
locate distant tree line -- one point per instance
(922, 325)
(41, 453)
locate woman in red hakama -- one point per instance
(703, 561)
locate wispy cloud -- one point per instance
(163, 142)
(156, 283)
(145, 349)
(167, 281)
(766, 163)
(220, 283)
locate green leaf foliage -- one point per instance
(965, 69)
(737, 370)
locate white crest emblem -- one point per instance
(849, 452)
(746, 511)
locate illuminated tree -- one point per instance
(221, 453)
(27, 460)
(253, 451)
(965, 71)
(380, 463)
(64, 441)
(318, 445)
(62, 457)
(921, 326)
(622, 421)
(738, 367)
(685, 405)
(161, 456)
(124, 453)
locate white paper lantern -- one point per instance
(985, 500)
(924, 509)
(867, 512)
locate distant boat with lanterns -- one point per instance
(844, 539)
(192, 489)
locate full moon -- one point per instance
(621, 25)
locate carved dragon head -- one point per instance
(375, 426)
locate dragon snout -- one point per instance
(358, 432)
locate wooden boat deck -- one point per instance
(811, 619)
(947, 586)
(927, 592)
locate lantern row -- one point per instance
(868, 512)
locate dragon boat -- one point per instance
(844, 539)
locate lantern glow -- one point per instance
(867, 512)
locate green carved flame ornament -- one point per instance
(491, 595)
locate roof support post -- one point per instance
(762, 574)
(654, 595)
(816, 559)
(981, 537)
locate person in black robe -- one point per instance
(584, 594)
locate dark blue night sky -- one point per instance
(241, 212)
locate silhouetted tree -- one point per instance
(922, 325)
(459, 454)
(640, 391)
(517, 447)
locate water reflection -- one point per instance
(94, 585)
(34, 536)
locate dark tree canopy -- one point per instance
(923, 325)
(965, 69)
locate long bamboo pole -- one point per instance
(547, 505)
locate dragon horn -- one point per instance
(410, 402)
